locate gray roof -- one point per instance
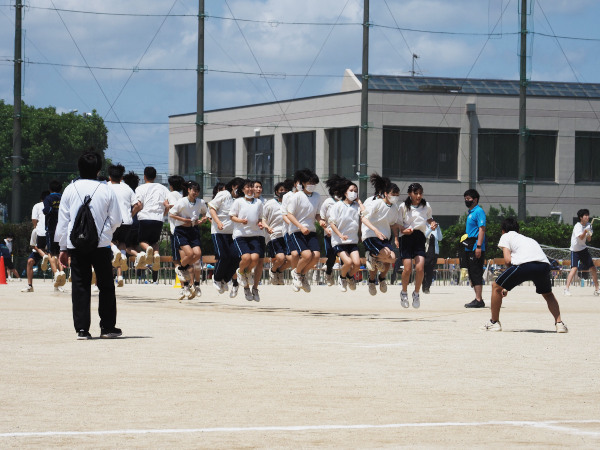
(477, 86)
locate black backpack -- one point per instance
(84, 235)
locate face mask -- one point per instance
(249, 197)
(311, 187)
(393, 199)
(352, 195)
(280, 195)
(468, 203)
(298, 187)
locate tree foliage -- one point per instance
(51, 145)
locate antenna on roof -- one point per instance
(412, 72)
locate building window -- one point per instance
(587, 157)
(300, 151)
(343, 151)
(260, 160)
(498, 155)
(186, 159)
(420, 152)
(222, 161)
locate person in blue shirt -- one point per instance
(475, 245)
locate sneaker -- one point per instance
(56, 279)
(416, 299)
(489, 326)
(352, 283)
(248, 294)
(95, 289)
(425, 291)
(329, 279)
(198, 291)
(567, 292)
(120, 281)
(255, 295)
(45, 262)
(116, 261)
(183, 275)
(296, 281)
(404, 299)
(597, 292)
(369, 262)
(156, 262)
(234, 291)
(185, 292)
(59, 289)
(110, 333)
(192, 292)
(343, 283)
(273, 277)
(475, 304)
(140, 260)
(242, 278)
(124, 263)
(383, 285)
(218, 286)
(82, 335)
(379, 265)
(305, 283)
(149, 255)
(561, 327)
(63, 278)
(372, 288)
(29, 288)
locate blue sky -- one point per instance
(296, 42)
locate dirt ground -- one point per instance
(298, 370)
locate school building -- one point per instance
(448, 134)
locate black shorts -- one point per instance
(7, 259)
(538, 272)
(121, 234)
(348, 248)
(475, 267)
(582, 259)
(52, 247)
(412, 245)
(248, 245)
(174, 249)
(41, 244)
(301, 242)
(186, 236)
(276, 246)
(134, 232)
(374, 245)
(150, 231)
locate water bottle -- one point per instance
(582, 282)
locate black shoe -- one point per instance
(82, 335)
(425, 290)
(110, 333)
(475, 304)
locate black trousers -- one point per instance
(81, 277)
(430, 262)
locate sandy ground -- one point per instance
(297, 370)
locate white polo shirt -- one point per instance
(222, 204)
(305, 209)
(37, 213)
(347, 220)
(185, 208)
(415, 217)
(126, 198)
(173, 198)
(251, 210)
(522, 248)
(274, 218)
(152, 196)
(382, 216)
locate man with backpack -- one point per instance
(88, 216)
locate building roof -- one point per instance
(479, 86)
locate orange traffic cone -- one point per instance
(2, 271)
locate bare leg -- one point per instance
(553, 306)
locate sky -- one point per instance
(135, 62)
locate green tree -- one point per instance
(51, 145)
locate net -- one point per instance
(561, 254)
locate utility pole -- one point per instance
(200, 98)
(522, 199)
(364, 106)
(16, 159)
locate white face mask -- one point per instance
(351, 195)
(298, 187)
(249, 197)
(311, 187)
(393, 199)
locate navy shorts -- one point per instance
(348, 248)
(538, 272)
(121, 234)
(134, 232)
(174, 249)
(248, 245)
(41, 244)
(276, 246)
(150, 230)
(412, 245)
(288, 248)
(186, 236)
(52, 247)
(374, 245)
(300, 242)
(5, 252)
(263, 246)
(582, 259)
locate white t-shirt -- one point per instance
(173, 198)
(152, 196)
(415, 217)
(382, 216)
(274, 218)
(578, 244)
(184, 208)
(37, 213)
(33, 239)
(285, 200)
(126, 198)
(243, 209)
(522, 249)
(347, 220)
(222, 204)
(305, 209)
(326, 208)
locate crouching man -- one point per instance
(527, 262)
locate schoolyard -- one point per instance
(297, 370)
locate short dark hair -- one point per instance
(218, 188)
(131, 180)
(510, 224)
(89, 164)
(176, 181)
(116, 171)
(471, 193)
(44, 194)
(583, 212)
(150, 173)
(56, 186)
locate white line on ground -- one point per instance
(554, 425)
